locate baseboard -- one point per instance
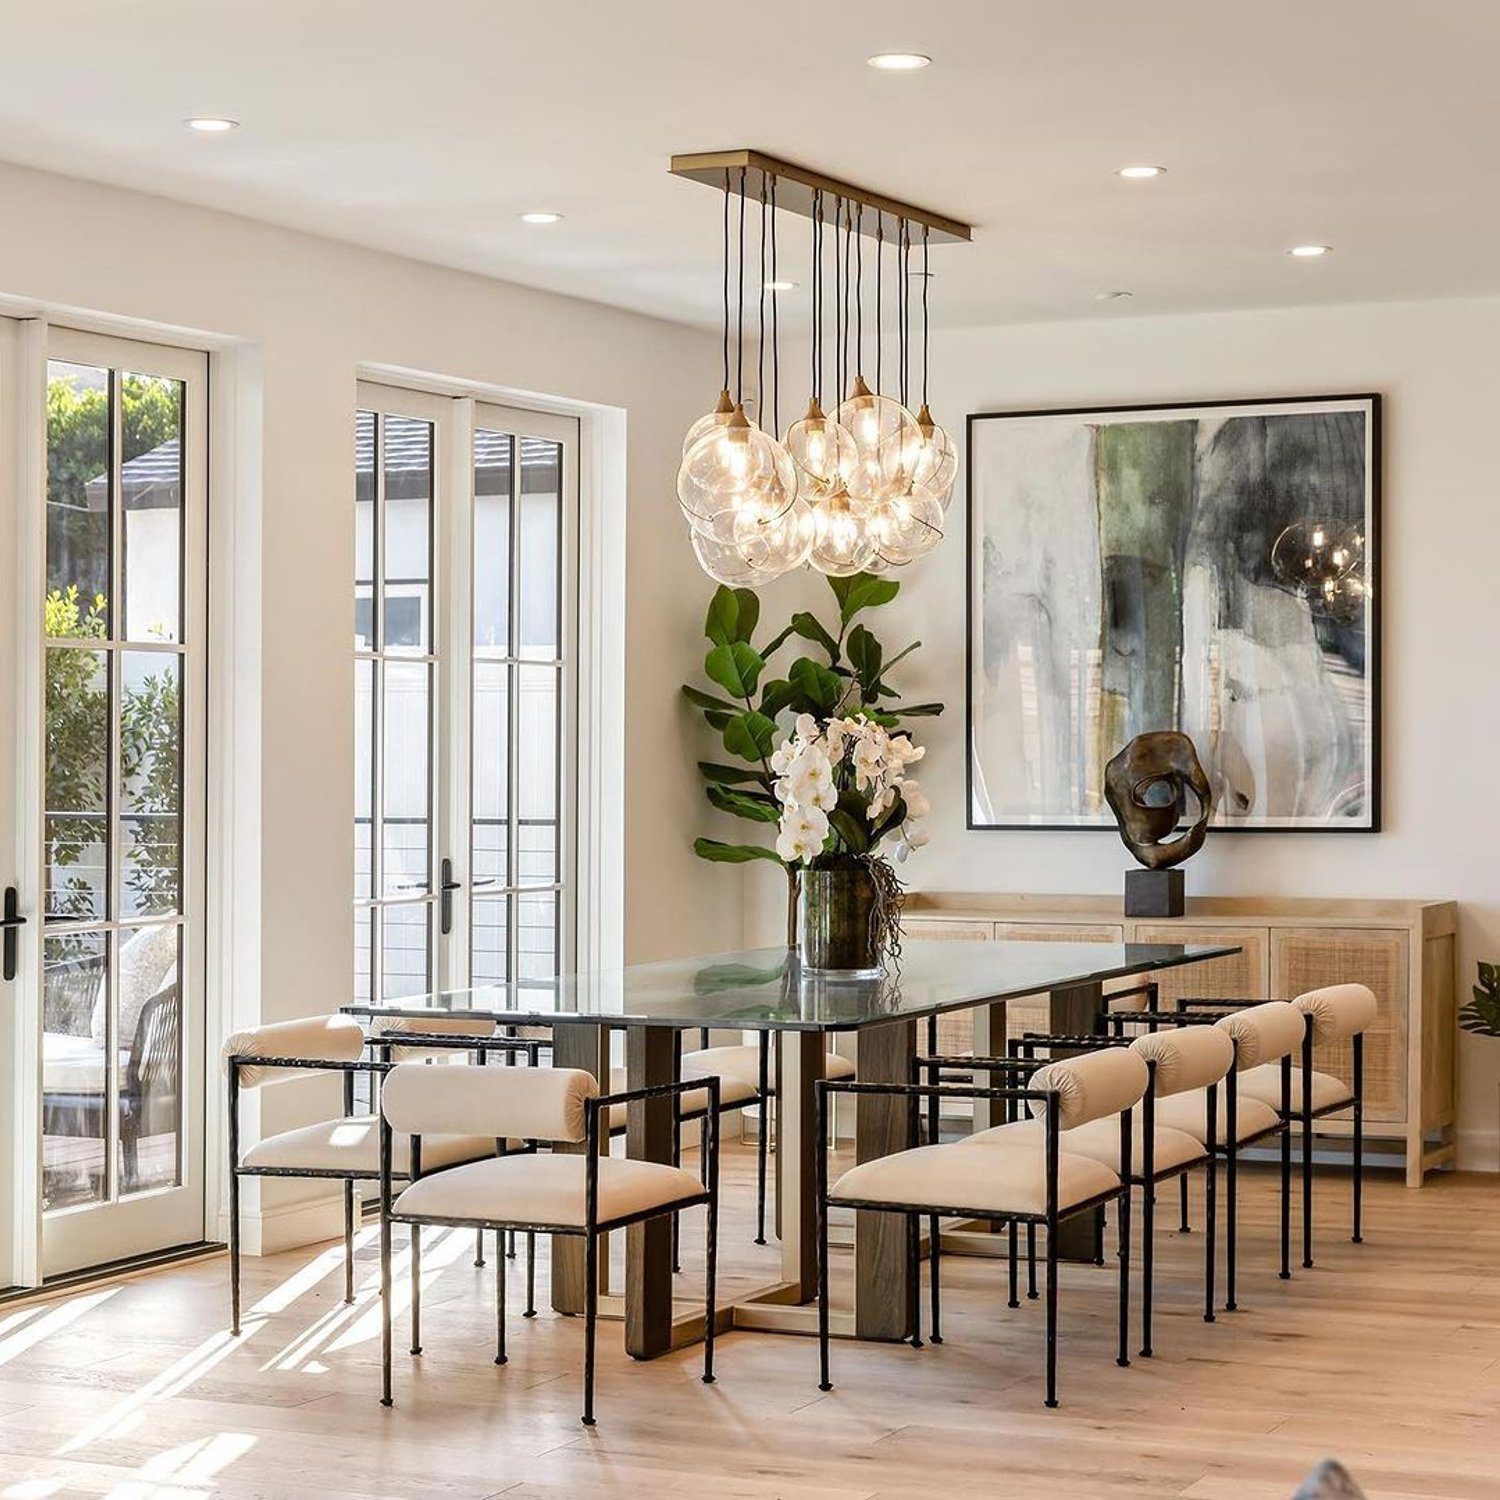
(1479, 1150)
(289, 1227)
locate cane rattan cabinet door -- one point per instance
(1240, 976)
(1031, 1014)
(955, 1029)
(1307, 958)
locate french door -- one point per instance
(108, 509)
(465, 693)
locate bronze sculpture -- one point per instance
(1147, 786)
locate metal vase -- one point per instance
(840, 931)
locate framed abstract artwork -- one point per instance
(1208, 567)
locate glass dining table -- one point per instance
(766, 990)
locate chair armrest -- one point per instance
(930, 1090)
(655, 1091)
(313, 1065)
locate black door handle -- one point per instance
(445, 900)
(10, 921)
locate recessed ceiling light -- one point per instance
(1112, 296)
(211, 124)
(1141, 172)
(781, 286)
(899, 62)
(1309, 252)
(540, 216)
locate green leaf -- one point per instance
(733, 854)
(902, 654)
(735, 667)
(920, 711)
(810, 628)
(818, 689)
(778, 641)
(718, 718)
(865, 654)
(722, 624)
(707, 700)
(742, 805)
(862, 591)
(749, 735)
(893, 817)
(749, 616)
(730, 775)
(851, 829)
(775, 696)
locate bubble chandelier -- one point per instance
(864, 488)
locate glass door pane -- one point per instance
(395, 710)
(120, 988)
(521, 680)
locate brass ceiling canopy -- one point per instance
(796, 188)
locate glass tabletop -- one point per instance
(765, 989)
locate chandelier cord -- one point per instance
(879, 296)
(775, 329)
(725, 385)
(760, 327)
(903, 305)
(926, 277)
(841, 298)
(859, 292)
(739, 361)
(815, 342)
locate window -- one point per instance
(465, 697)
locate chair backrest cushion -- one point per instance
(1091, 1085)
(1339, 1011)
(312, 1039)
(1265, 1033)
(530, 1104)
(1186, 1057)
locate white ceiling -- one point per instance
(425, 129)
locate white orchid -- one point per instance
(853, 753)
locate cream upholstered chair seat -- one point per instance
(1189, 1113)
(1264, 1083)
(1099, 1140)
(1000, 1180)
(731, 1091)
(742, 1063)
(544, 1188)
(353, 1145)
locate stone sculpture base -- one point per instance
(1155, 893)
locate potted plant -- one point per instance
(836, 785)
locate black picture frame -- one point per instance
(1373, 824)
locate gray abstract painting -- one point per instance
(1208, 568)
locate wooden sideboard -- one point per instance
(1405, 951)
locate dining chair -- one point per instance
(1179, 1060)
(343, 1149)
(585, 1194)
(1332, 1016)
(1035, 1182)
(1265, 1034)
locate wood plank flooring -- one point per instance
(1386, 1355)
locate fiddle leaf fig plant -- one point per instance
(843, 680)
(1482, 1014)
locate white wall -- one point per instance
(295, 316)
(1435, 364)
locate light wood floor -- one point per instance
(1387, 1355)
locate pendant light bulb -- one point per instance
(886, 440)
(935, 466)
(709, 422)
(733, 470)
(842, 544)
(823, 452)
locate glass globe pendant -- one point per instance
(725, 563)
(904, 528)
(886, 442)
(842, 544)
(935, 466)
(776, 546)
(823, 452)
(733, 470)
(710, 421)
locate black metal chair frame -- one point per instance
(591, 1230)
(1305, 1114)
(350, 1070)
(1053, 1216)
(1154, 1020)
